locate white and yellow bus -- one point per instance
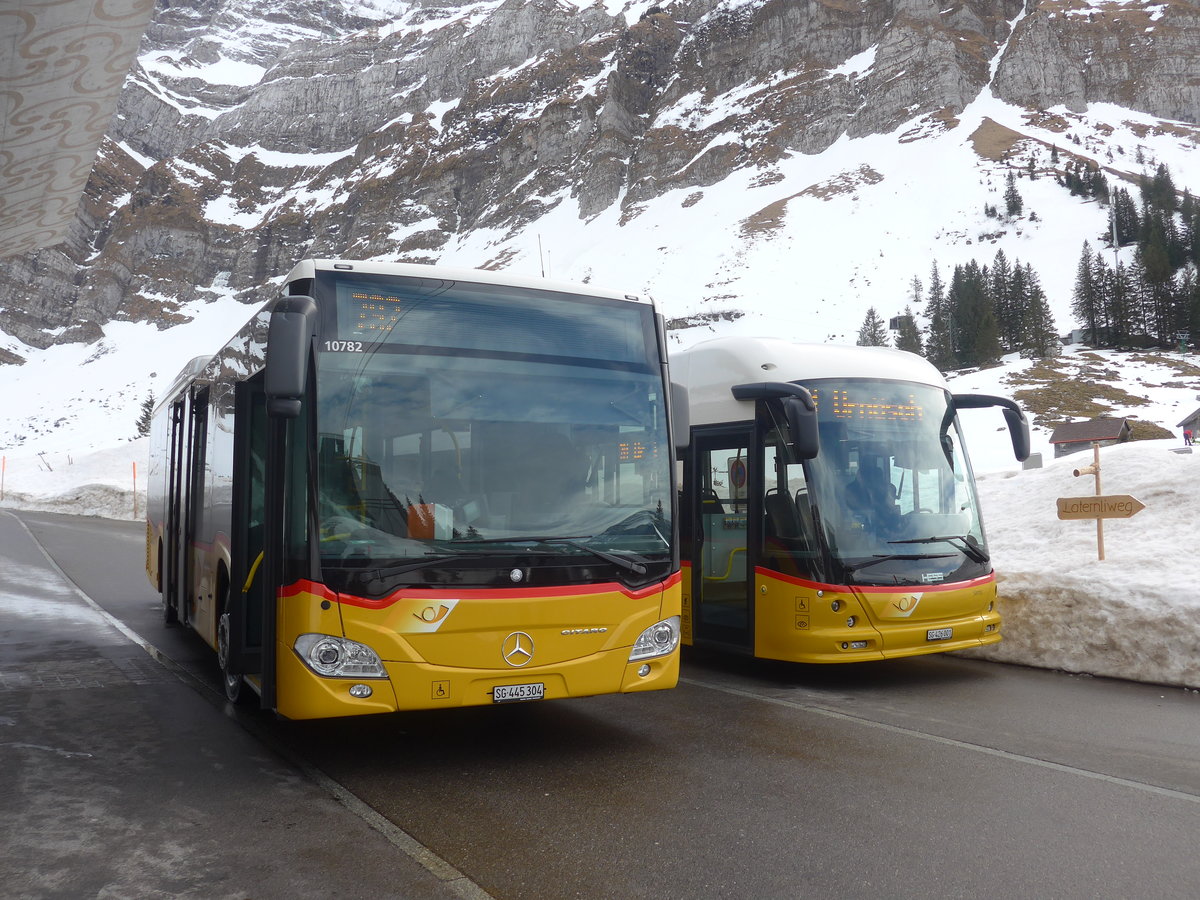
(406, 487)
(829, 512)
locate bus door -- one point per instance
(185, 496)
(197, 460)
(244, 605)
(174, 549)
(722, 567)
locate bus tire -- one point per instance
(235, 686)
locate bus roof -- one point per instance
(308, 267)
(191, 369)
(709, 369)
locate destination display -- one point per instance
(373, 312)
(848, 403)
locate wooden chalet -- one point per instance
(1071, 437)
(1191, 423)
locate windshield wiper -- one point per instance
(520, 539)
(634, 564)
(628, 525)
(419, 562)
(966, 543)
(884, 557)
(631, 563)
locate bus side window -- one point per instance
(787, 523)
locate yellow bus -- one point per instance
(829, 512)
(404, 487)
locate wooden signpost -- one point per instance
(1098, 507)
(1113, 506)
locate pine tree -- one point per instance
(1127, 220)
(939, 336)
(908, 336)
(1085, 304)
(1173, 240)
(144, 417)
(1189, 226)
(873, 331)
(1158, 191)
(1004, 303)
(1183, 296)
(1117, 304)
(1020, 296)
(1013, 204)
(1192, 239)
(1134, 295)
(978, 337)
(1190, 289)
(1041, 338)
(915, 291)
(1158, 284)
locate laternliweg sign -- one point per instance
(1098, 507)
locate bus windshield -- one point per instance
(465, 431)
(892, 485)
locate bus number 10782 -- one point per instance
(343, 346)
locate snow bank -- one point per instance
(1136, 614)
(95, 484)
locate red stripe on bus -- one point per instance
(876, 588)
(869, 588)
(320, 590)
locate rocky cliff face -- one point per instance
(254, 132)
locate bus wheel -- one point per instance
(233, 683)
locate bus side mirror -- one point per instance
(799, 409)
(802, 427)
(289, 337)
(1014, 417)
(1018, 429)
(681, 417)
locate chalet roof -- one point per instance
(1098, 429)
(1190, 420)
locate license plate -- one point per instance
(939, 634)
(507, 693)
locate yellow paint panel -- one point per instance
(799, 622)
(452, 653)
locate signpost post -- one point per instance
(1098, 507)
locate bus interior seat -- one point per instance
(783, 519)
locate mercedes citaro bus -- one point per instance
(829, 512)
(405, 487)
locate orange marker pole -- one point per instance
(135, 503)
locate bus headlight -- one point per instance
(336, 657)
(657, 640)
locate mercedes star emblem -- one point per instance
(517, 649)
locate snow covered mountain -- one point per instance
(759, 166)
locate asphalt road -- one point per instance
(931, 777)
